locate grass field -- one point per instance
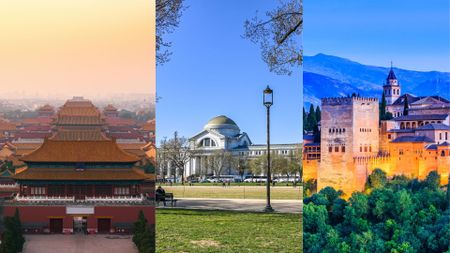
(235, 192)
(222, 231)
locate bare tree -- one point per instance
(220, 160)
(178, 153)
(258, 165)
(162, 159)
(295, 165)
(168, 14)
(278, 36)
(242, 164)
(279, 164)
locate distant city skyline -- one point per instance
(214, 71)
(82, 48)
(414, 34)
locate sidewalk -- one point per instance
(243, 205)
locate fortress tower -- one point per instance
(391, 89)
(349, 130)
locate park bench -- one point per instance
(169, 198)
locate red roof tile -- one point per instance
(79, 151)
(106, 174)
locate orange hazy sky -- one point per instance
(77, 47)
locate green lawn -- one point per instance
(224, 231)
(234, 192)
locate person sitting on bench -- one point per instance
(161, 195)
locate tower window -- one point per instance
(336, 149)
(330, 149)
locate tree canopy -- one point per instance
(392, 215)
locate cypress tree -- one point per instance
(12, 238)
(316, 133)
(383, 107)
(147, 243)
(311, 118)
(20, 240)
(318, 116)
(139, 229)
(406, 106)
(305, 119)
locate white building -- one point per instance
(222, 133)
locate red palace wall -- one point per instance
(42, 214)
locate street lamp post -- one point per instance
(268, 102)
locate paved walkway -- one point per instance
(244, 205)
(78, 244)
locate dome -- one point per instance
(223, 125)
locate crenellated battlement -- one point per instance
(346, 100)
(380, 158)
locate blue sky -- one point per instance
(414, 34)
(214, 71)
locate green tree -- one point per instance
(311, 119)
(305, 119)
(316, 133)
(147, 243)
(432, 180)
(142, 237)
(318, 114)
(315, 218)
(13, 239)
(377, 179)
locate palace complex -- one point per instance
(354, 142)
(79, 178)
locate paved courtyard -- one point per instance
(78, 244)
(244, 205)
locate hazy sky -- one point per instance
(414, 34)
(77, 47)
(215, 71)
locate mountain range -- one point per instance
(332, 76)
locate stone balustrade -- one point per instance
(124, 199)
(94, 199)
(2, 186)
(44, 198)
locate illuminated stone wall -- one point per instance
(351, 139)
(348, 129)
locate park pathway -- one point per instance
(243, 205)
